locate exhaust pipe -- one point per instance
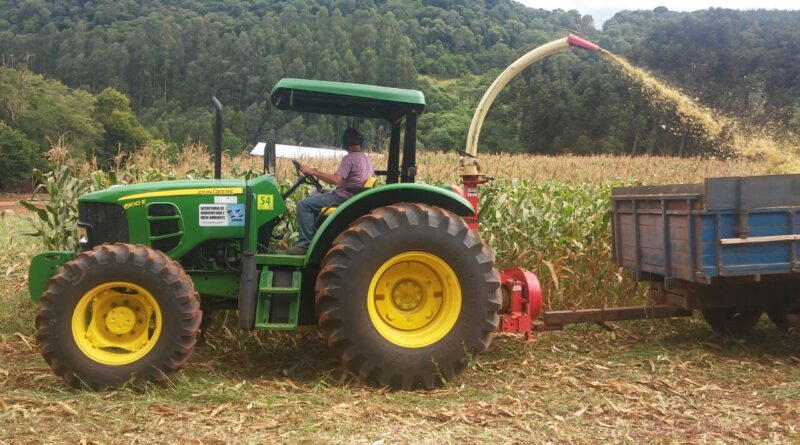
(248, 282)
(217, 139)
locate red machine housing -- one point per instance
(470, 192)
(522, 295)
(521, 289)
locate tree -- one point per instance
(122, 130)
(169, 57)
(47, 110)
(231, 142)
(18, 156)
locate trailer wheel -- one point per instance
(732, 320)
(785, 317)
(116, 313)
(406, 295)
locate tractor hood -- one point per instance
(122, 194)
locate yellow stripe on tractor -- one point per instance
(186, 192)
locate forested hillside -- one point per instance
(38, 113)
(170, 56)
(744, 63)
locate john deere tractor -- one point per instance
(397, 277)
(402, 288)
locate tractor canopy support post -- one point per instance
(269, 157)
(248, 282)
(393, 167)
(409, 169)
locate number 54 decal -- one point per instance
(264, 202)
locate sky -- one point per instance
(603, 10)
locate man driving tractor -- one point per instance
(354, 170)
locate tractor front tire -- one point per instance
(407, 295)
(118, 313)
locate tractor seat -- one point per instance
(368, 184)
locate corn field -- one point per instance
(547, 214)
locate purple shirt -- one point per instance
(355, 169)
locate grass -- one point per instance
(16, 310)
(664, 381)
(667, 381)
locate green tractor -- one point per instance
(403, 289)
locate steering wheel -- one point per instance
(311, 179)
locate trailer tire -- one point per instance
(406, 295)
(118, 313)
(785, 317)
(732, 320)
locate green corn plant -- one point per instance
(561, 231)
(287, 229)
(55, 218)
(100, 180)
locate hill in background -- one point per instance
(170, 56)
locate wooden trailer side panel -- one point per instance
(656, 235)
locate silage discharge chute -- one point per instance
(522, 295)
(511, 72)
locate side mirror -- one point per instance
(269, 157)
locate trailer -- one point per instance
(728, 247)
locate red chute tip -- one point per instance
(574, 40)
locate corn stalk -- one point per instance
(55, 219)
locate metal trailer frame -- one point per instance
(728, 242)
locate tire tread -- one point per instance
(339, 260)
(138, 256)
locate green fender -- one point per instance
(381, 196)
(43, 267)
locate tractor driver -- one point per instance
(353, 171)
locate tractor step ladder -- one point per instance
(270, 296)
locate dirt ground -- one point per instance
(10, 201)
(656, 381)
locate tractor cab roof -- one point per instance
(346, 99)
(398, 106)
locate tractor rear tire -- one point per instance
(407, 295)
(118, 313)
(732, 320)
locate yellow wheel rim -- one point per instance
(414, 299)
(116, 323)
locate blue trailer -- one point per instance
(728, 247)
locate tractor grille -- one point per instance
(107, 222)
